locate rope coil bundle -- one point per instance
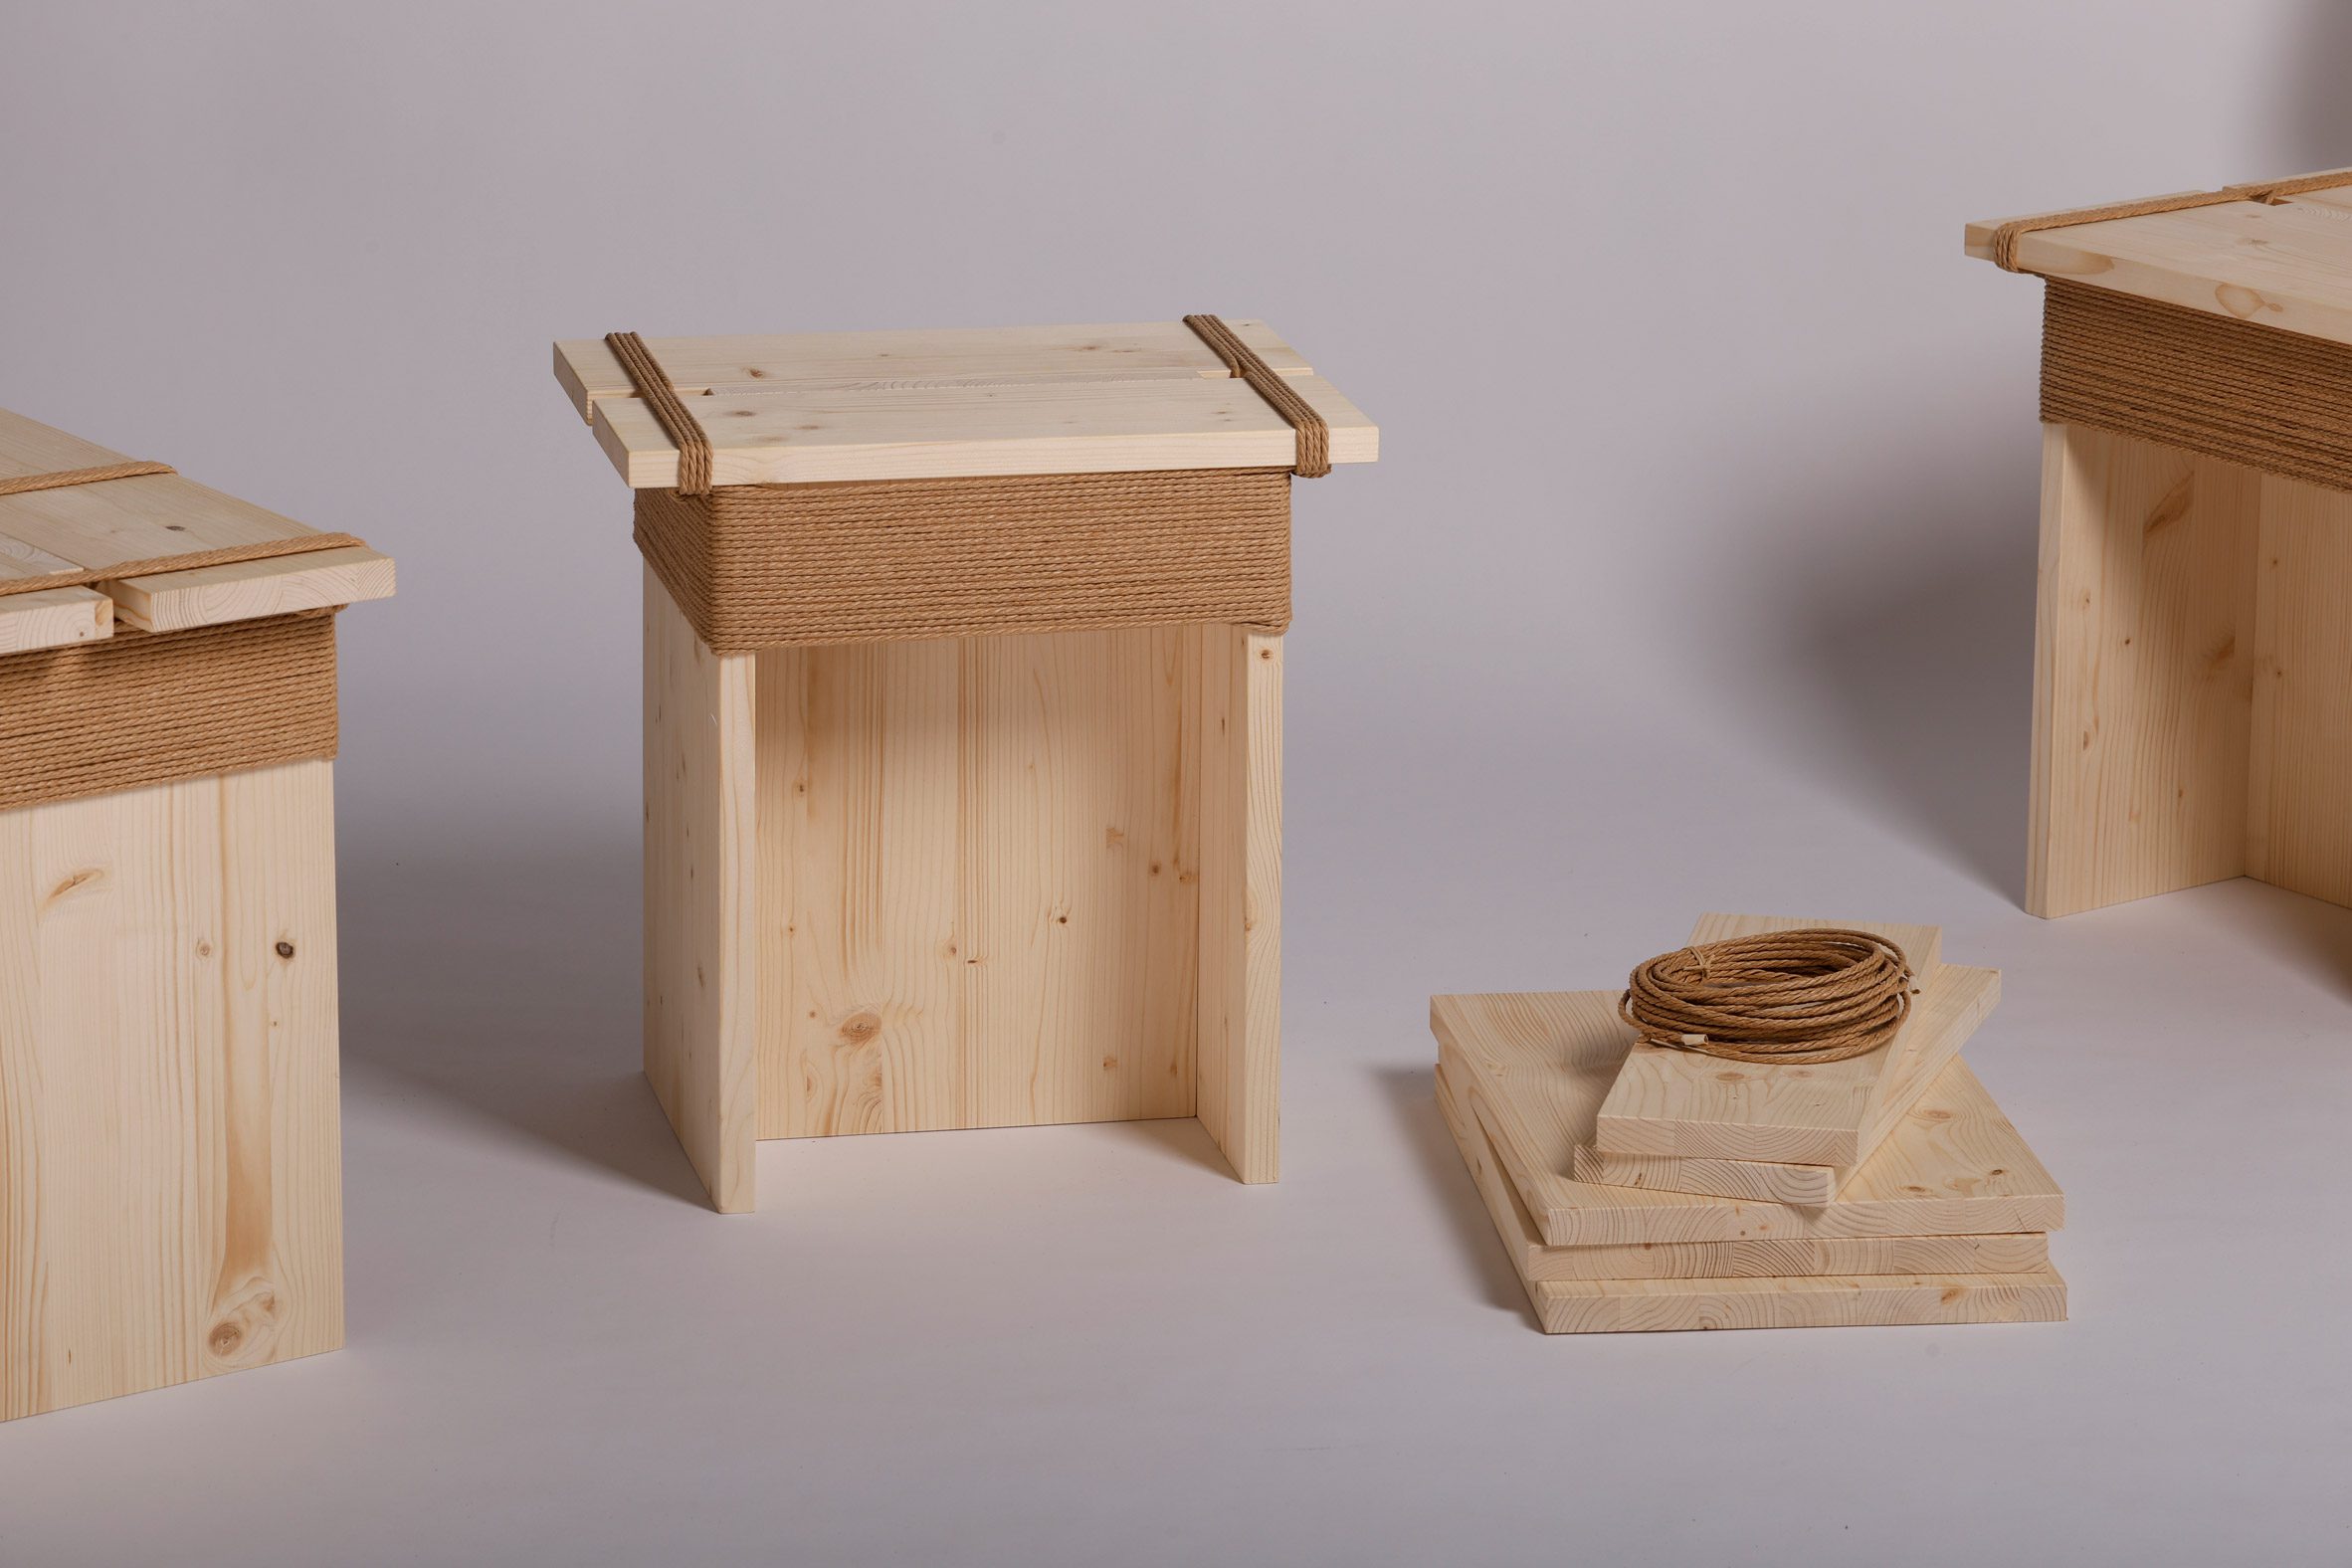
(1785, 997)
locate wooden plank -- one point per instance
(1536, 1066)
(1240, 885)
(1614, 1306)
(702, 900)
(95, 527)
(1761, 1257)
(2298, 834)
(2288, 265)
(2143, 671)
(53, 617)
(1955, 1005)
(981, 857)
(981, 356)
(1685, 1102)
(170, 1191)
(249, 590)
(799, 437)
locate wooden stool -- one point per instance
(956, 816)
(2193, 645)
(170, 1167)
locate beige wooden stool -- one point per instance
(962, 727)
(2193, 646)
(170, 1171)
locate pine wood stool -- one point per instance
(171, 1165)
(962, 724)
(2193, 645)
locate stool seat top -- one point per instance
(812, 407)
(2282, 261)
(85, 530)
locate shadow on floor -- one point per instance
(502, 979)
(1412, 1100)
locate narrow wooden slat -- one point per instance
(211, 595)
(1240, 903)
(804, 436)
(1537, 1065)
(52, 618)
(1132, 351)
(1777, 1257)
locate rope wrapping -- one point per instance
(2006, 237)
(2245, 393)
(140, 709)
(1782, 997)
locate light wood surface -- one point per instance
(2299, 829)
(1616, 1306)
(54, 617)
(1956, 1003)
(2287, 266)
(1685, 1102)
(2024, 1253)
(913, 358)
(1241, 897)
(170, 1198)
(929, 431)
(701, 891)
(2144, 658)
(1536, 1066)
(249, 590)
(980, 884)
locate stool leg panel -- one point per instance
(1240, 963)
(2144, 651)
(170, 1183)
(701, 1012)
(2298, 833)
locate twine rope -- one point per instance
(1315, 434)
(2268, 192)
(81, 577)
(685, 432)
(1783, 996)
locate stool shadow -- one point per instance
(501, 979)
(1412, 1100)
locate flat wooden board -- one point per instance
(1581, 1305)
(1955, 1002)
(2287, 264)
(1536, 1066)
(1672, 1101)
(926, 405)
(53, 617)
(91, 528)
(1762, 1257)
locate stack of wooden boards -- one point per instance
(1642, 1187)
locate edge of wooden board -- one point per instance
(54, 618)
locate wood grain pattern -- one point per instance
(2287, 266)
(1685, 1102)
(2298, 833)
(1781, 1256)
(965, 356)
(54, 617)
(979, 859)
(701, 893)
(2143, 671)
(249, 590)
(1957, 1002)
(1536, 1066)
(931, 432)
(1241, 862)
(170, 1183)
(1616, 1306)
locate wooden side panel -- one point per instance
(2299, 829)
(170, 1178)
(1242, 897)
(978, 856)
(701, 999)
(2142, 670)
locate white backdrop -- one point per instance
(1697, 573)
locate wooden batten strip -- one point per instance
(250, 590)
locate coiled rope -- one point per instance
(1786, 997)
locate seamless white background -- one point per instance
(1697, 573)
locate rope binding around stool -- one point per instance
(2268, 192)
(1822, 994)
